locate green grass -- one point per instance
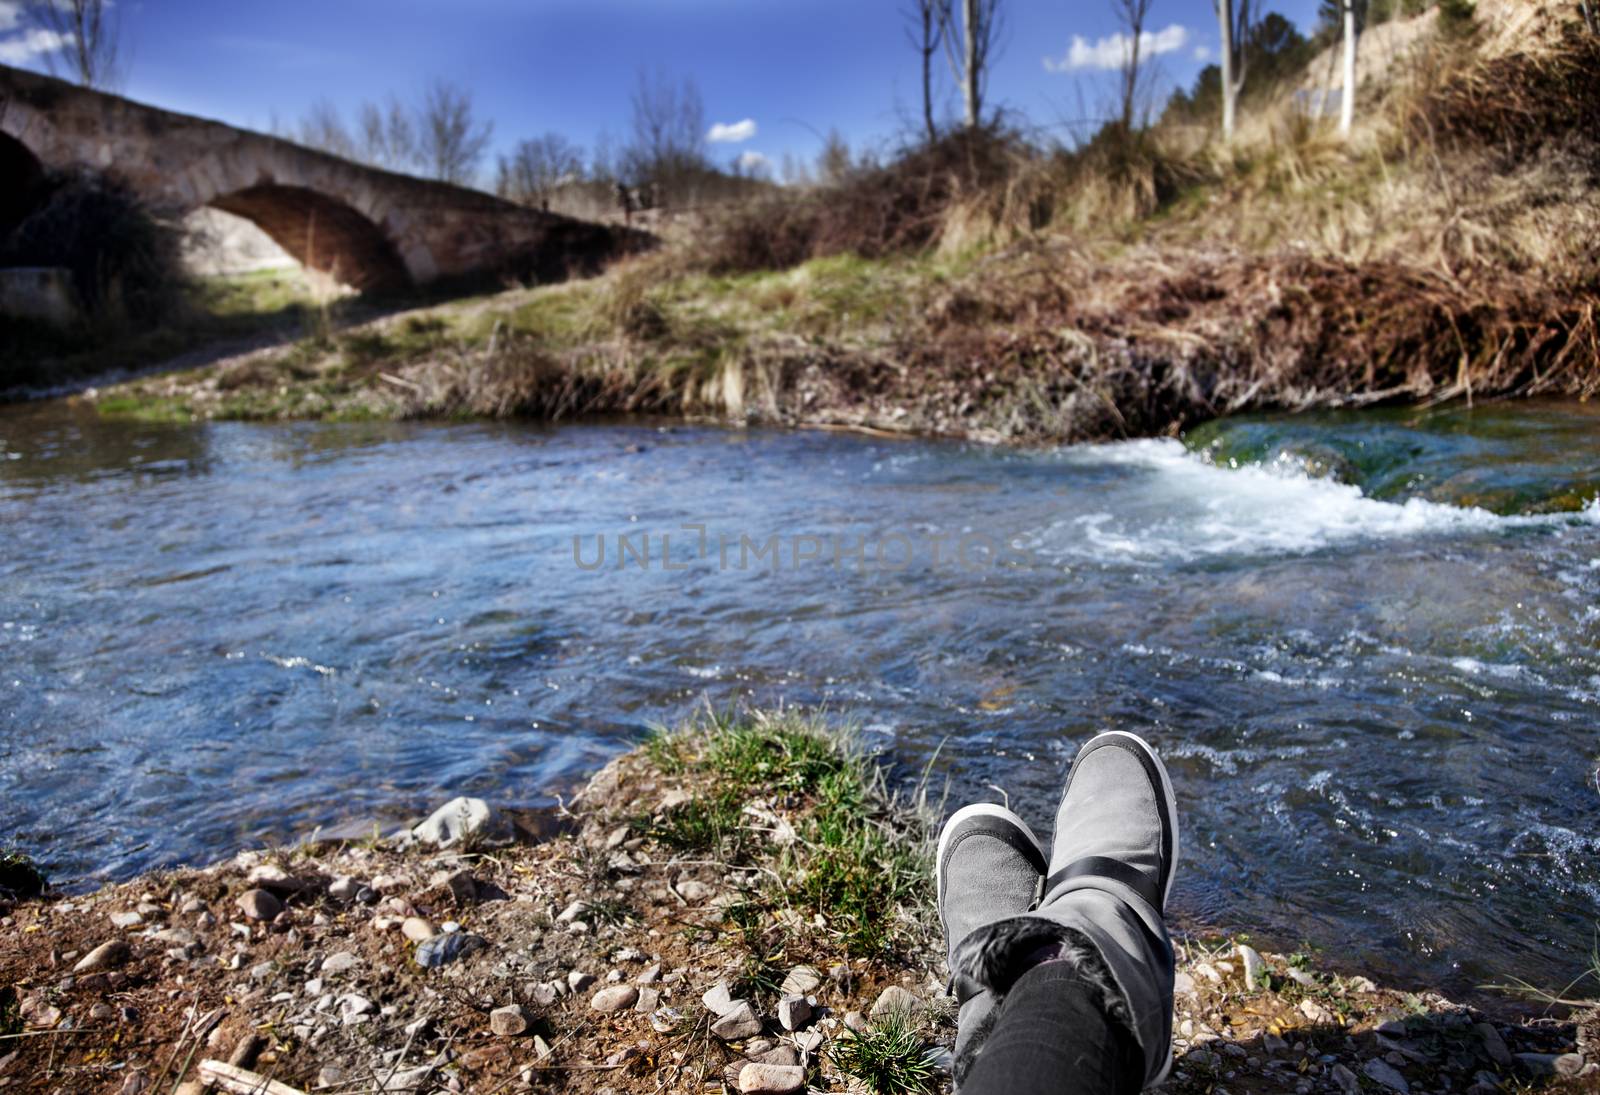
(850, 860)
(890, 1057)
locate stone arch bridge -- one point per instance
(369, 228)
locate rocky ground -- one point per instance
(702, 922)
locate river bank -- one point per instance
(762, 854)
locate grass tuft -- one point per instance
(889, 1058)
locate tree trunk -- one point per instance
(1229, 95)
(1347, 101)
(969, 83)
(929, 44)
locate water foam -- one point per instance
(1188, 508)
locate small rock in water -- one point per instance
(456, 819)
(104, 957)
(895, 999)
(443, 949)
(758, 1079)
(793, 1012)
(801, 981)
(259, 905)
(739, 1021)
(614, 998)
(417, 929)
(1383, 1072)
(1255, 967)
(508, 1022)
(718, 999)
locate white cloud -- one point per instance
(19, 49)
(754, 162)
(1109, 53)
(10, 13)
(732, 132)
(1202, 53)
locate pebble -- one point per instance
(103, 957)
(352, 1007)
(1493, 1044)
(443, 949)
(270, 877)
(857, 1022)
(649, 976)
(894, 998)
(572, 912)
(1255, 967)
(693, 891)
(665, 1020)
(545, 994)
(1362, 984)
(1551, 1064)
(417, 929)
(577, 980)
(541, 1048)
(456, 819)
(739, 1021)
(134, 1083)
(129, 919)
(343, 888)
(810, 1041)
(775, 1055)
(794, 1012)
(1273, 1044)
(1316, 1012)
(342, 962)
(801, 981)
(259, 905)
(510, 1021)
(1384, 1073)
(757, 1079)
(649, 1000)
(718, 999)
(1209, 972)
(1301, 977)
(1183, 984)
(614, 998)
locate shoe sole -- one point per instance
(1172, 864)
(977, 809)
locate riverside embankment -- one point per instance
(741, 902)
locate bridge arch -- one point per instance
(321, 232)
(21, 174)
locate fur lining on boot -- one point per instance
(992, 958)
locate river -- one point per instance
(1366, 646)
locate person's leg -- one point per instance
(988, 867)
(1054, 1034)
(1083, 982)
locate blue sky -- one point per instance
(794, 68)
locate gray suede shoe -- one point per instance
(1117, 825)
(1111, 867)
(988, 868)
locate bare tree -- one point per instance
(536, 167)
(668, 146)
(972, 50)
(1347, 101)
(1234, 23)
(450, 141)
(1131, 14)
(834, 162)
(388, 135)
(925, 25)
(89, 32)
(323, 128)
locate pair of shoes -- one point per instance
(1100, 898)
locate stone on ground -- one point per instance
(1383, 1072)
(739, 1021)
(801, 981)
(1254, 966)
(510, 1021)
(793, 1012)
(614, 998)
(718, 999)
(104, 957)
(895, 999)
(455, 820)
(757, 1079)
(258, 904)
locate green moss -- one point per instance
(141, 408)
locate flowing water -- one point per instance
(1368, 645)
